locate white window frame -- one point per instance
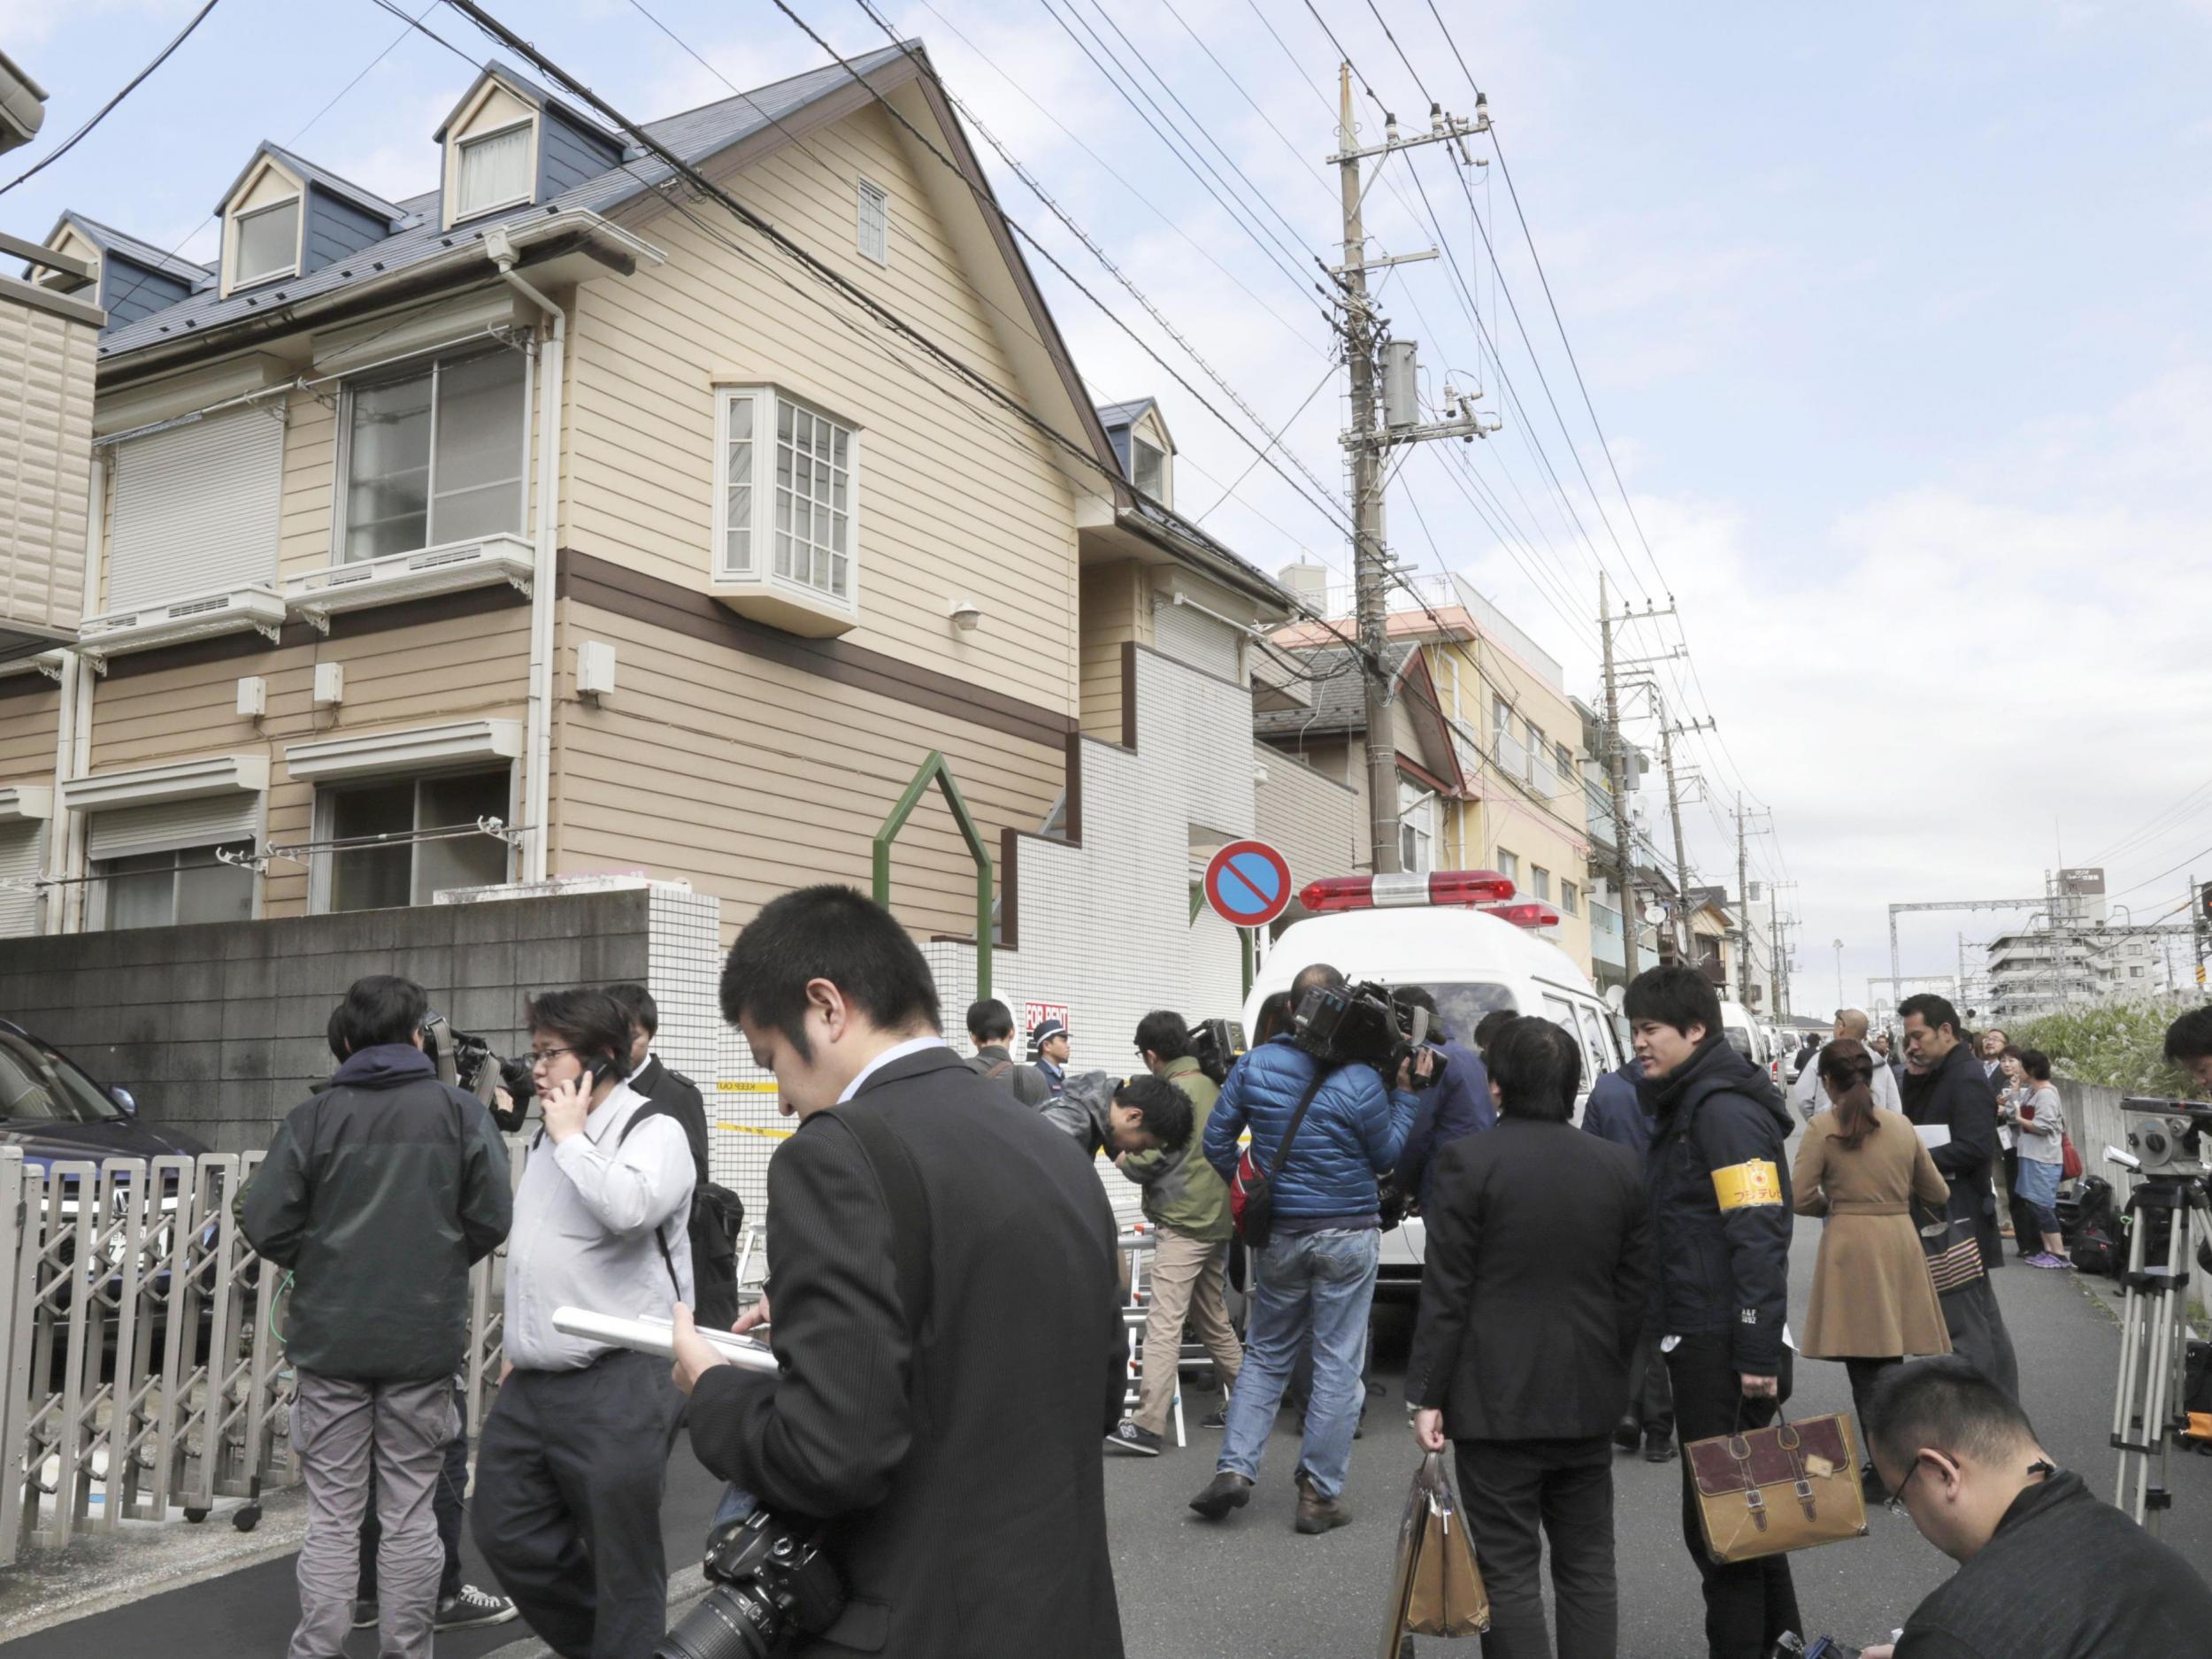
(1539, 879)
(240, 278)
(97, 916)
(760, 575)
(461, 210)
(868, 190)
(1509, 867)
(1161, 493)
(327, 793)
(1570, 899)
(431, 360)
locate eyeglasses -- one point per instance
(539, 1057)
(1896, 1503)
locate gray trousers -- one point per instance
(359, 1442)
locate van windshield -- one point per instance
(1739, 1039)
(1461, 1005)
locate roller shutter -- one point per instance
(22, 856)
(196, 507)
(209, 821)
(1195, 639)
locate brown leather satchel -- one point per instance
(1436, 1589)
(1789, 1486)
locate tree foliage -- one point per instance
(2120, 1045)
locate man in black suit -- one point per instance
(672, 1092)
(1532, 1298)
(918, 1220)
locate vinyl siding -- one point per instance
(566, 158)
(47, 364)
(129, 291)
(951, 501)
(453, 669)
(747, 778)
(1116, 609)
(335, 230)
(30, 724)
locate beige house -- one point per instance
(556, 521)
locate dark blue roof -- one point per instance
(694, 135)
(109, 240)
(530, 92)
(345, 189)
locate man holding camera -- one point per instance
(573, 1459)
(1720, 1210)
(1187, 1204)
(1315, 1279)
(2044, 1567)
(917, 1227)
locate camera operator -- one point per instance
(2189, 1045)
(1315, 1278)
(2045, 1567)
(918, 1228)
(1187, 1204)
(1720, 1208)
(573, 1459)
(1457, 1104)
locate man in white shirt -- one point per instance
(1807, 1099)
(572, 1460)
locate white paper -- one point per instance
(650, 1335)
(1933, 1135)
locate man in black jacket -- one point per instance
(1720, 1208)
(1948, 1090)
(1533, 1297)
(917, 1226)
(379, 1194)
(2045, 1567)
(991, 1029)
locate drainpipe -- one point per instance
(537, 778)
(73, 740)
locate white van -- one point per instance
(1473, 964)
(1745, 1034)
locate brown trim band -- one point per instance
(607, 586)
(16, 686)
(351, 625)
(1419, 774)
(1129, 694)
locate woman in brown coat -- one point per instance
(1873, 1302)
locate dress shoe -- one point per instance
(1226, 1491)
(1317, 1514)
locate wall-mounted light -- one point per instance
(967, 615)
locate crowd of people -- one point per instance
(1622, 1283)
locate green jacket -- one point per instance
(1181, 1189)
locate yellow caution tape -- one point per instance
(756, 1129)
(745, 1086)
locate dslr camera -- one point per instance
(1216, 1044)
(1363, 1024)
(771, 1585)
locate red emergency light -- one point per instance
(1438, 887)
(1527, 915)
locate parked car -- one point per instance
(56, 1110)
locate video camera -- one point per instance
(1216, 1044)
(771, 1583)
(2173, 1144)
(467, 1062)
(1363, 1024)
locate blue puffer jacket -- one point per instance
(1352, 1133)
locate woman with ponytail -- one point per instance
(1873, 1302)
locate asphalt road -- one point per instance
(1190, 1590)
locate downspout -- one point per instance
(72, 743)
(537, 778)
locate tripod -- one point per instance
(2172, 1222)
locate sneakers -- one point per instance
(1659, 1447)
(1626, 1434)
(1317, 1514)
(364, 1616)
(470, 1607)
(1226, 1491)
(1131, 1441)
(1217, 1419)
(2044, 1258)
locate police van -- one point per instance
(1461, 935)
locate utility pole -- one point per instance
(1743, 911)
(1365, 336)
(1617, 770)
(1668, 731)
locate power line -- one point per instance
(102, 114)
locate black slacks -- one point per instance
(1508, 1488)
(1650, 1396)
(570, 1470)
(1749, 1603)
(1864, 1375)
(447, 1499)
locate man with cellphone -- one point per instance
(916, 1226)
(573, 1461)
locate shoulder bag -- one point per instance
(1252, 1190)
(1789, 1486)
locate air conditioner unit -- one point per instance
(200, 617)
(318, 596)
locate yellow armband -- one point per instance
(1747, 1186)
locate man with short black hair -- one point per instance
(990, 1028)
(1720, 1209)
(573, 1461)
(1048, 1054)
(2189, 1045)
(1614, 1112)
(379, 1194)
(1533, 1296)
(675, 1094)
(916, 1226)
(2044, 1567)
(1458, 1103)
(1490, 1025)
(1187, 1204)
(1118, 1115)
(1945, 1088)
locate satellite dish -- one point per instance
(1655, 914)
(1615, 996)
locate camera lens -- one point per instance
(729, 1621)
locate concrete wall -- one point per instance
(219, 1030)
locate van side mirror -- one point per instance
(123, 1099)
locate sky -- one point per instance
(1892, 317)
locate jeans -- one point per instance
(1317, 1284)
(2038, 1188)
(1508, 1488)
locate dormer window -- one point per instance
(494, 170)
(1148, 467)
(268, 243)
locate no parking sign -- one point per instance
(1247, 884)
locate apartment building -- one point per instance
(553, 522)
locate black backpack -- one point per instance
(718, 1217)
(2090, 1224)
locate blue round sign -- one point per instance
(1247, 884)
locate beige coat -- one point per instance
(1872, 1298)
